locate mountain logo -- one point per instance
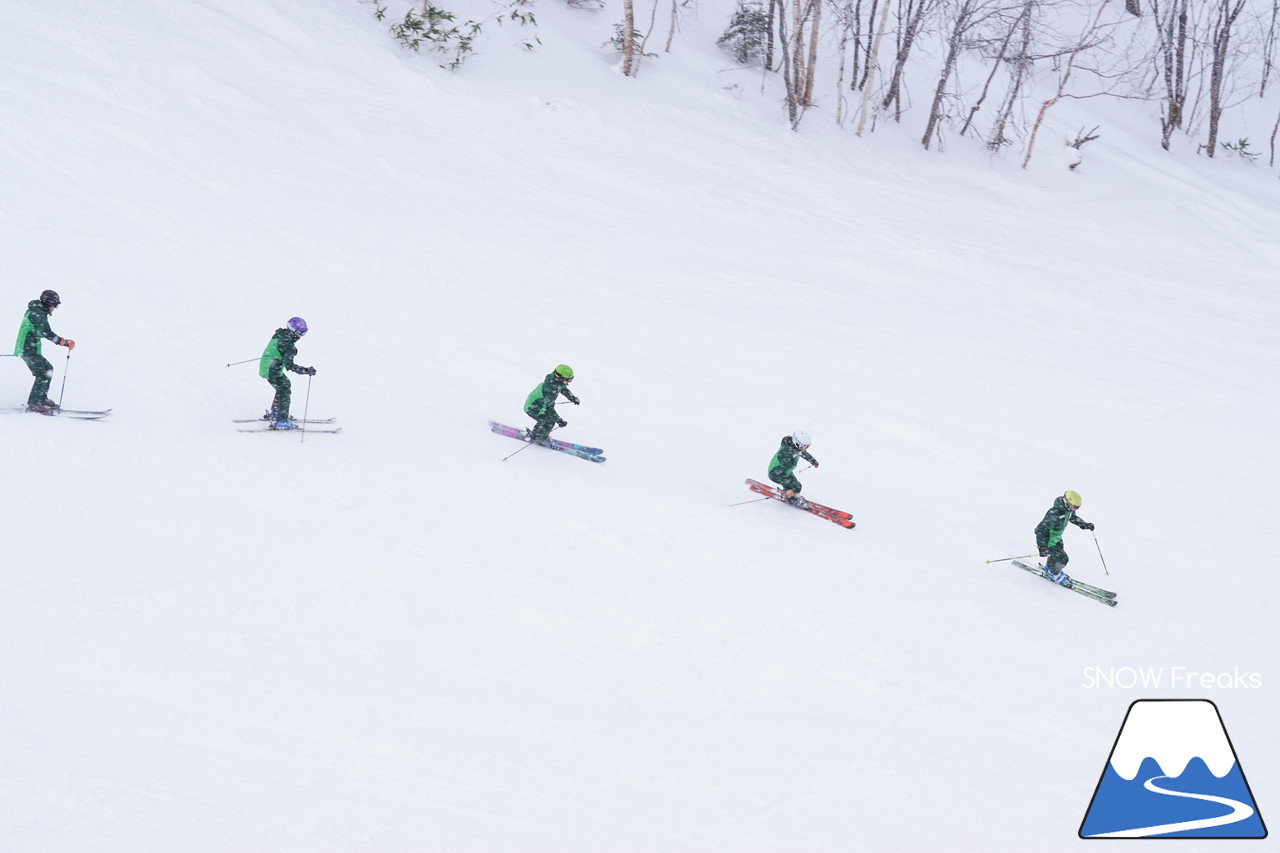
(1173, 773)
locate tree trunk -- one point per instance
(909, 32)
(1221, 44)
(953, 50)
(995, 66)
(1021, 63)
(811, 71)
(628, 37)
(768, 52)
(1171, 30)
(868, 82)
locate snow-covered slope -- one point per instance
(391, 639)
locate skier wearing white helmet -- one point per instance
(783, 465)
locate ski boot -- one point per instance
(792, 498)
(1059, 577)
(283, 425)
(44, 407)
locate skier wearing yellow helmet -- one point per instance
(1049, 534)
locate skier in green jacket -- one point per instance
(541, 402)
(783, 465)
(1049, 534)
(33, 331)
(276, 359)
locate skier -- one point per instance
(35, 326)
(541, 402)
(1049, 534)
(783, 465)
(276, 359)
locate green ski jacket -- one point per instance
(543, 398)
(788, 456)
(35, 325)
(1049, 531)
(282, 347)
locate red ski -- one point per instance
(837, 516)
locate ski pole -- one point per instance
(246, 361)
(64, 379)
(528, 445)
(753, 501)
(306, 407)
(1003, 559)
(1100, 557)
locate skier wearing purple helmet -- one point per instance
(276, 359)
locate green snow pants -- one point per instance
(1057, 560)
(785, 478)
(545, 418)
(42, 370)
(280, 382)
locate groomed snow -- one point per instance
(392, 640)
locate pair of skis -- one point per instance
(265, 425)
(582, 451)
(1104, 596)
(836, 516)
(73, 414)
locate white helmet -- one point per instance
(801, 439)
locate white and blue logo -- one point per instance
(1173, 773)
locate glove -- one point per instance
(563, 422)
(1044, 552)
(1088, 525)
(814, 464)
(309, 371)
(575, 401)
(68, 343)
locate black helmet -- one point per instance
(50, 299)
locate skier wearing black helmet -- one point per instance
(541, 402)
(276, 359)
(31, 334)
(783, 465)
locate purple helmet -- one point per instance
(297, 325)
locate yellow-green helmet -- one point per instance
(1072, 498)
(564, 371)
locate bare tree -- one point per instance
(1227, 12)
(628, 37)
(799, 55)
(911, 20)
(872, 55)
(846, 17)
(1274, 129)
(964, 15)
(1269, 48)
(768, 54)
(1174, 51)
(811, 66)
(1024, 13)
(1019, 60)
(1087, 40)
(676, 5)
